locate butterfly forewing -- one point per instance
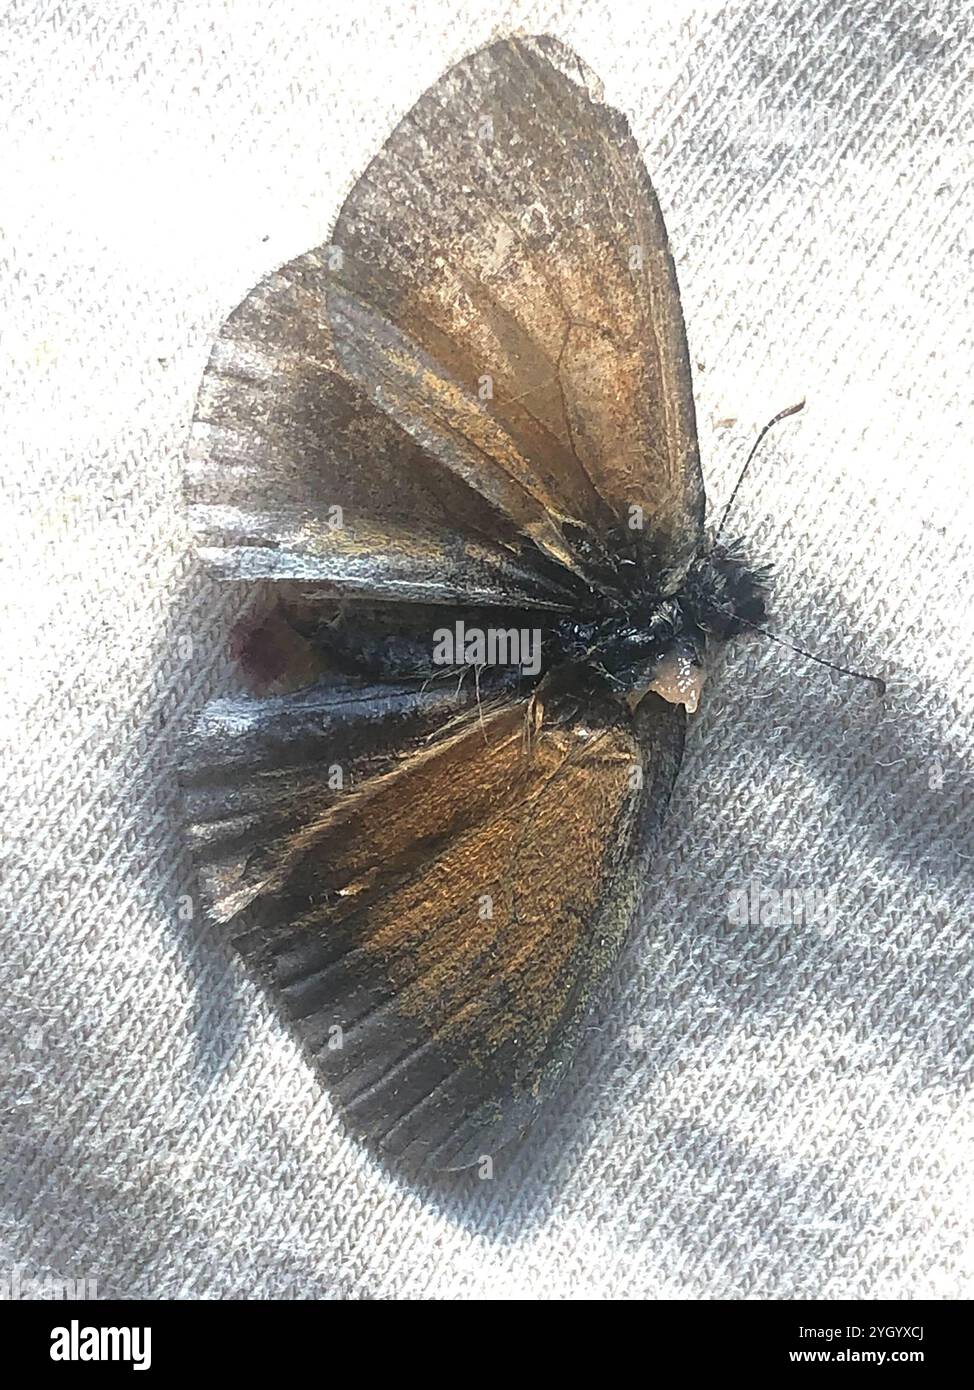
(436, 934)
(503, 288)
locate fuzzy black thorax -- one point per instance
(722, 594)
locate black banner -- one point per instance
(139, 1338)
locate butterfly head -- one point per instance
(723, 595)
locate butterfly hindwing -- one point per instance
(293, 474)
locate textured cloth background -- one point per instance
(763, 1108)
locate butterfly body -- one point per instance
(472, 406)
(720, 596)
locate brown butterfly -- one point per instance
(471, 407)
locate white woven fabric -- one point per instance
(764, 1108)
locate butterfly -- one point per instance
(470, 410)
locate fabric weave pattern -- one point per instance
(773, 1098)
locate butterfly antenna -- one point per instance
(832, 665)
(781, 415)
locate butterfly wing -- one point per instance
(501, 285)
(292, 474)
(437, 928)
(479, 390)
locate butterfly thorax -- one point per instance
(660, 640)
